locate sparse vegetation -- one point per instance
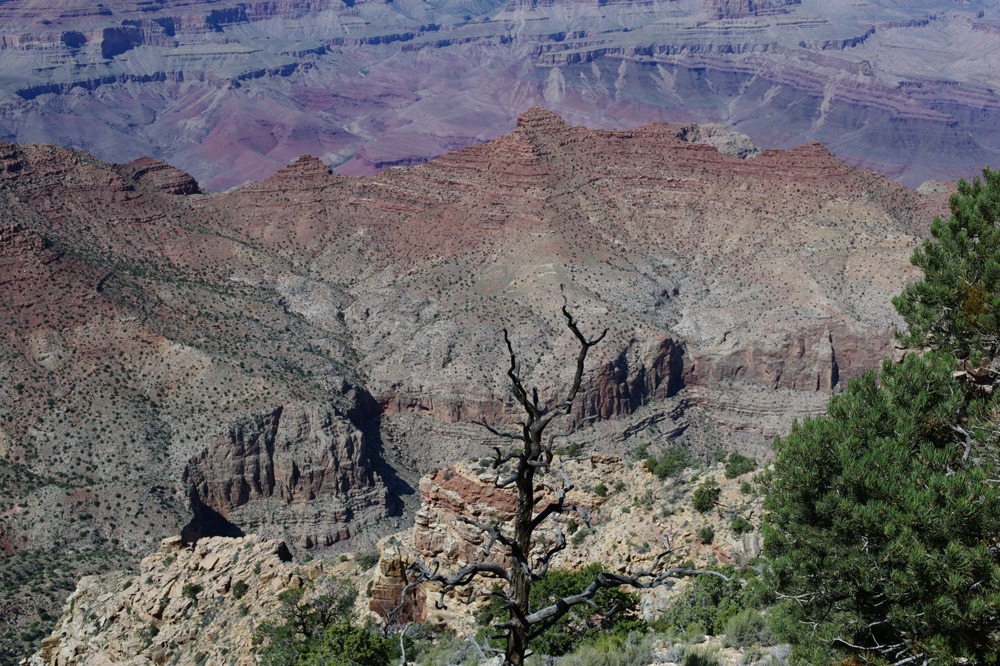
(706, 495)
(738, 465)
(668, 463)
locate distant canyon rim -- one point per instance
(233, 91)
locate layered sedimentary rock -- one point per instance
(232, 91)
(289, 357)
(298, 470)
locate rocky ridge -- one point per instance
(185, 604)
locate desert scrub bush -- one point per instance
(367, 560)
(700, 657)
(239, 589)
(705, 534)
(446, 649)
(745, 628)
(581, 623)
(610, 650)
(705, 495)
(740, 525)
(192, 590)
(319, 632)
(706, 603)
(668, 463)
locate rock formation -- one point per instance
(289, 357)
(190, 605)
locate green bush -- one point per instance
(705, 495)
(705, 534)
(745, 628)
(612, 650)
(740, 525)
(696, 657)
(707, 602)
(367, 560)
(739, 465)
(582, 623)
(600, 489)
(668, 464)
(239, 589)
(192, 590)
(308, 633)
(346, 645)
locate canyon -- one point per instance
(231, 91)
(288, 358)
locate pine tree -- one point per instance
(884, 524)
(956, 306)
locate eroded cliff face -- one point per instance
(289, 357)
(300, 471)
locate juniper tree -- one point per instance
(883, 525)
(530, 454)
(955, 307)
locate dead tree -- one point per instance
(532, 452)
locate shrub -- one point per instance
(669, 463)
(743, 629)
(239, 589)
(600, 489)
(740, 525)
(698, 657)
(192, 590)
(706, 534)
(611, 650)
(367, 560)
(707, 601)
(582, 623)
(705, 495)
(739, 465)
(299, 634)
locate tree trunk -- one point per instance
(517, 642)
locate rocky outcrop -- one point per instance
(386, 595)
(633, 516)
(156, 175)
(297, 468)
(731, 9)
(186, 604)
